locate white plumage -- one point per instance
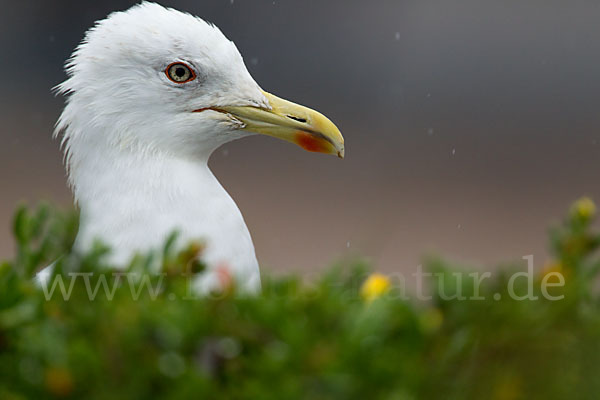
(138, 132)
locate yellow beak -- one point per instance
(307, 128)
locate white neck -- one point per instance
(133, 200)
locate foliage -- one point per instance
(329, 339)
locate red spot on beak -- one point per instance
(311, 143)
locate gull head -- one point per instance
(155, 79)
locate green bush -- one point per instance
(337, 338)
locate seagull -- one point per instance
(151, 92)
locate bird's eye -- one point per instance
(180, 73)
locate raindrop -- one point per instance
(348, 245)
(254, 60)
(397, 36)
(430, 131)
(453, 151)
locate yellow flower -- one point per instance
(375, 286)
(584, 208)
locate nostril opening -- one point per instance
(297, 118)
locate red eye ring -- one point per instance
(179, 72)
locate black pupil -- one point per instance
(180, 72)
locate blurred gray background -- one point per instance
(470, 125)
